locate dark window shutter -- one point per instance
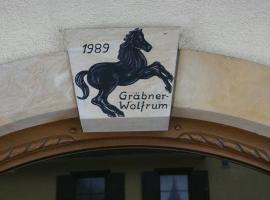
(116, 186)
(150, 186)
(65, 188)
(199, 187)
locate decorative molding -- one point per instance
(65, 136)
(36, 145)
(226, 144)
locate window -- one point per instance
(175, 184)
(101, 185)
(174, 187)
(90, 188)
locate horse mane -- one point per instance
(127, 51)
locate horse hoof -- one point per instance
(120, 114)
(111, 114)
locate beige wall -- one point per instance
(208, 87)
(38, 181)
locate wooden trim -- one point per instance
(65, 136)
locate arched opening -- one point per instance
(63, 137)
(192, 160)
(134, 173)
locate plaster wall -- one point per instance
(229, 27)
(208, 87)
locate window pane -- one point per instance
(164, 195)
(175, 196)
(165, 182)
(98, 185)
(181, 182)
(91, 185)
(83, 185)
(183, 195)
(174, 187)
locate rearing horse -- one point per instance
(131, 67)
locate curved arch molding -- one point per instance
(65, 136)
(209, 87)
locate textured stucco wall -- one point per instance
(239, 28)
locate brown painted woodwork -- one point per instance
(65, 136)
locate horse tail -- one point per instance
(79, 80)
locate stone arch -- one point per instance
(209, 87)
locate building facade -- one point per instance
(218, 142)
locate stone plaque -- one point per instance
(123, 77)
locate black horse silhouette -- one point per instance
(131, 67)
